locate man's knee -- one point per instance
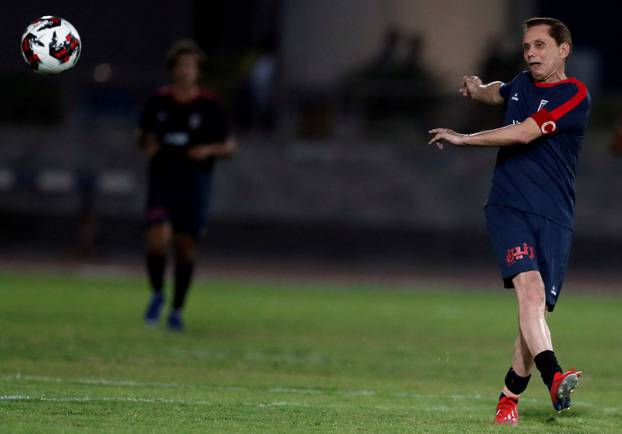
(158, 238)
(185, 248)
(529, 289)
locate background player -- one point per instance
(183, 130)
(530, 209)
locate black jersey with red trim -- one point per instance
(181, 125)
(539, 177)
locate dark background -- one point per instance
(339, 171)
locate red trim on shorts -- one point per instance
(158, 214)
(164, 91)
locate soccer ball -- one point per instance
(51, 45)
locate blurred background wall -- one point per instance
(455, 34)
(333, 160)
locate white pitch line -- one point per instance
(140, 400)
(101, 399)
(97, 381)
(132, 383)
(285, 390)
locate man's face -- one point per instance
(543, 56)
(186, 69)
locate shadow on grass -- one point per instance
(551, 418)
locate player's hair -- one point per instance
(557, 29)
(181, 48)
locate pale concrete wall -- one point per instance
(323, 39)
(456, 32)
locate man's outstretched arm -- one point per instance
(515, 134)
(473, 88)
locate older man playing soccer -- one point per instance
(530, 208)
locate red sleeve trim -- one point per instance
(547, 120)
(578, 97)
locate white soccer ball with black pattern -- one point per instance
(51, 45)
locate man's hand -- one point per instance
(217, 150)
(509, 135)
(445, 134)
(151, 149)
(199, 152)
(149, 144)
(470, 86)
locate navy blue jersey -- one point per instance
(539, 177)
(178, 126)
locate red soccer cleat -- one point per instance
(563, 385)
(507, 411)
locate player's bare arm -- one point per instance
(203, 151)
(148, 143)
(515, 134)
(472, 87)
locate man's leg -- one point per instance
(532, 317)
(519, 374)
(158, 239)
(516, 382)
(157, 242)
(532, 323)
(186, 247)
(531, 311)
(532, 320)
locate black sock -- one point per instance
(183, 276)
(546, 362)
(515, 383)
(156, 264)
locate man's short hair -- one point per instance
(557, 30)
(181, 48)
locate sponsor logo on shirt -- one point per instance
(515, 97)
(543, 102)
(176, 138)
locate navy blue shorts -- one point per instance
(180, 199)
(526, 242)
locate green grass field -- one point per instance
(282, 358)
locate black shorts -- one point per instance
(181, 199)
(525, 242)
